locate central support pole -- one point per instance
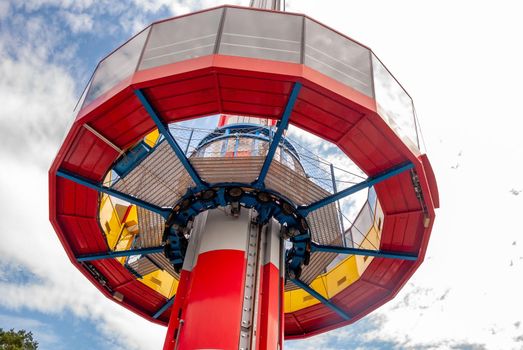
(275, 5)
(230, 291)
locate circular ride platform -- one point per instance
(124, 194)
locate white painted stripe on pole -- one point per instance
(194, 242)
(225, 232)
(272, 251)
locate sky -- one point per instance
(461, 61)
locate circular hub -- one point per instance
(268, 204)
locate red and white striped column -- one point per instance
(230, 291)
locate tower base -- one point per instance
(230, 294)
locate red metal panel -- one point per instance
(113, 113)
(65, 194)
(307, 109)
(83, 234)
(397, 194)
(314, 126)
(176, 311)
(373, 148)
(431, 178)
(227, 81)
(316, 317)
(76, 241)
(254, 97)
(269, 310)
(348, 144)
(113, 271)
(399, 231)
(409, 193)
(143, 297)
(89, 156)
(75, 155)
(175, 115)
(387, 233)
(360, 297)
(252, 109)
(105, 101)
(185, 100)
(98, 158)
(292, 326)
(74, 199)
(86, 201)
(386, 272)
(314, 103)
(213, 304)
(378, 141)
(178, 87)
(164, 318)
(124, 124)
(413, 232)
(142, 126)
(282, 312)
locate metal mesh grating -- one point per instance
(151, 228)
(160, 179)
(143, 266)
(324, 224)
(293, 185)
(162, 262)
(153, 262)
(220, 169)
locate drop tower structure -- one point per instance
(227, 238)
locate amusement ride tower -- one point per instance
(225, 235)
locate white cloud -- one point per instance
(79, 22)
(4, 9)
(178, 7)
(37, 101)
(29, 241)
(35, 5)
(468, 289)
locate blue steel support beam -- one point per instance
(164, 130)
(371, 181)
(118, 254)
(282, 126)
(164, 308)
(123, 196)
(365, 252)
(321, 298)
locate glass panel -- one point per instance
(213, 149)
(81, 101)
(260, 34)
(245, 147)
(338, 57)
(362, 225)
(287, 159)
(230, 146)
(394, 104)
(420, 141)
(372, 197)
(182, 39)
(365, 219)
(117, 66)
